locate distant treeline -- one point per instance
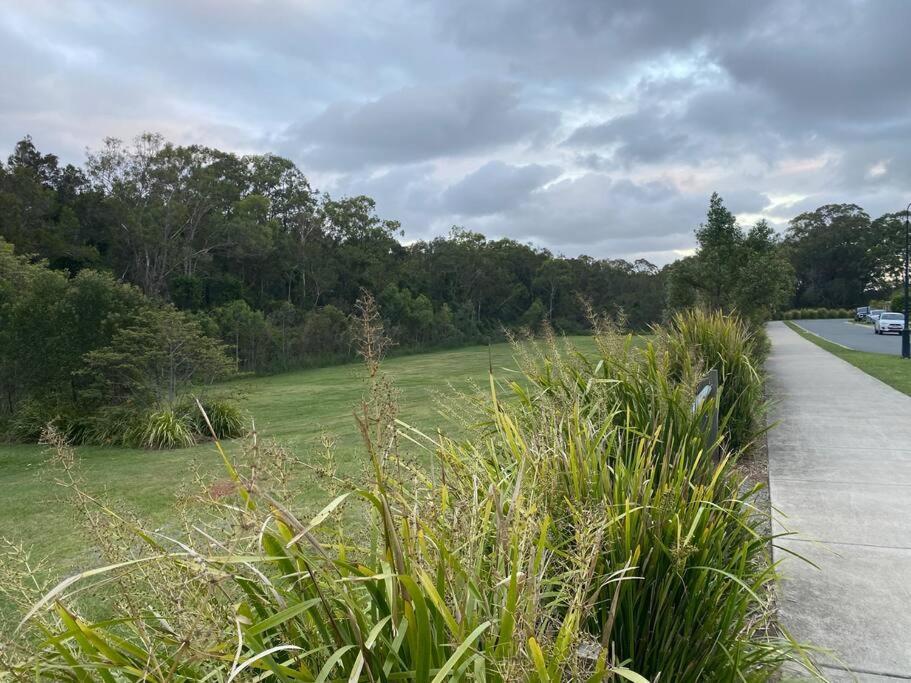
(273, 267)
(834, 257)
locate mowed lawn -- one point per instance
(295, 409)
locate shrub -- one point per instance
(33, 415)
(114, 426)
(164, 428)
(697, 341)
(225, 416)
(30, 419)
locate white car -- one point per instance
(889, 322)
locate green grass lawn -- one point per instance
(295, 409)
(887, 368)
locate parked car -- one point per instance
(889, 322)
(874, 314)
(861, 313)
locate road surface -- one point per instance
(854, 336)
(846, 494)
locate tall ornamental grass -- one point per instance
(696, 341)
(579, 532)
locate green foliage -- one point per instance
(119, 425)
(697, 341)
(90, 356)
(165, 428)
(580, 533)
(180, 425)
(225, 417)
(840, 256)
(325, 332)
(48, 323)
(187, 292)
(155, 360)
(813, 313)
(732, 269)
(534, 316)
(35, 414)
(207, 230)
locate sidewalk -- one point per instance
(849, 502)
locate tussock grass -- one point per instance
(696, 341)
(579, 532)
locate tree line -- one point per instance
(273, 267)
(156, 267)
(833, 257)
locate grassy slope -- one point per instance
(294, 408)
(887, 368)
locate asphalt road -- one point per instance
(854, 336)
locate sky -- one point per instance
(595, 127)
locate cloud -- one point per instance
(420, 123)
(597, 211)
(496, 187)
(634, 138)
(589, 126)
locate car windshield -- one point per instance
(892, 316)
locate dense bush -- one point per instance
(816, 313)
(697, 341)
(580, 532)
(165, 428)
(98, 360)
(224, 417)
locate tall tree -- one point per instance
(732, 269)
(719, 242)
(829, 250)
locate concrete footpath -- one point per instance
(840, 476)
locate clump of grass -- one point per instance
(696, 341)
(580, 533)
(165, 428)
(225, 416)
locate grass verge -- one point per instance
(886, 368)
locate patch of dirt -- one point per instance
(222, 488)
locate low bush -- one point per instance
(33, 415)
(581, 531)
(816, 313)
(225, 417)
(697, 341)
(164, 428)
(114, 426)
(159, 426)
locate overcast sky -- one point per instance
(595, 127)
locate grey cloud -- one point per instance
(601, 216)
(847, 61)
(635, 138)
(584, 40)
(496, 187)
(596, 208)
(660, 102)
(409, 194)
(419, 123)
